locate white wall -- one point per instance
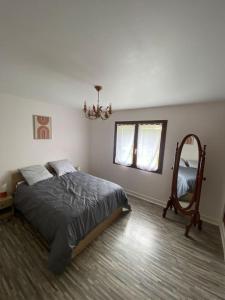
(205, 120)
(18, 149)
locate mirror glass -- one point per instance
(188, 166)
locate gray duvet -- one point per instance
(64, 209)
(186, 180)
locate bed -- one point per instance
(186, 180)
(69, 211)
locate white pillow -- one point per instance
(34, 174)
(193, 163)
(182, 163)
(62, 167)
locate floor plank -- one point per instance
(141, 256)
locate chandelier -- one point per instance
(97, 111)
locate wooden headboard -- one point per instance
(15, 178)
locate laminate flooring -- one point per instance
(141, 256)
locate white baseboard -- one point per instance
(146, 198)
(209, 220)
(163, 204)
(222, 233)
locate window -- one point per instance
(140, 144)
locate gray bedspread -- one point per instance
(64, 209)
(186, 180)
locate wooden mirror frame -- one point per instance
(192, 210)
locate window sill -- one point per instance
(139, 169)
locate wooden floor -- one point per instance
(141, 256)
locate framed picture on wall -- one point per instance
(42, 127)
(189, 140)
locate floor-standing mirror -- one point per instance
(187, 180)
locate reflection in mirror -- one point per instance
(188, 167)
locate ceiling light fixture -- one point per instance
(97, 111)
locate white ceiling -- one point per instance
(144, 52)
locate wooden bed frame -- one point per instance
(92, 235)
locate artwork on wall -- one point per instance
(189, 140)
(42, 127)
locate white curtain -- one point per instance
(149, 137)
(124, 144)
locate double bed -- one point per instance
(68, 211)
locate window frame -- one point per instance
(162, 143)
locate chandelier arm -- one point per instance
(91, 117)
(103, 116)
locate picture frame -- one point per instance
(42, 127)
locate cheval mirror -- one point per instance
(187, 180)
